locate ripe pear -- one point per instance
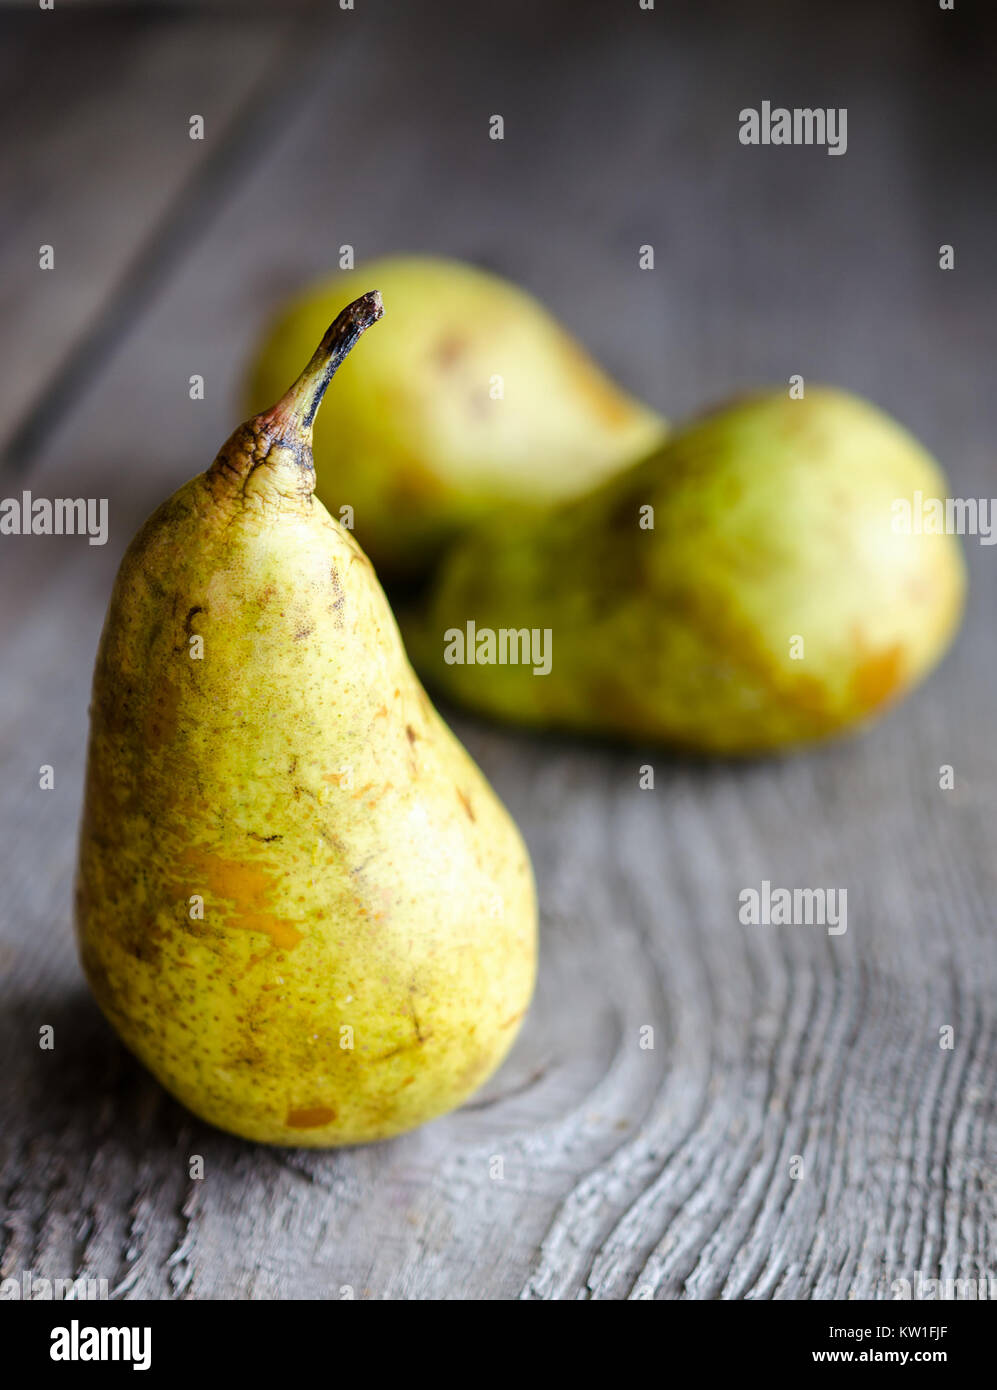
(776, 600)
(298, 902)
(476, 400)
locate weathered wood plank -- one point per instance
(97, 152)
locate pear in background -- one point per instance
(774, 602)
(298, 900)
(476, 399)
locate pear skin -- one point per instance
(744, 589)
(299, 902)
(477, 399)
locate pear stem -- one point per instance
(301, 402)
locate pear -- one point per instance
(476, 400)
(299, 902)
(748, 587)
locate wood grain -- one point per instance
(627, 1172)
(93, 101)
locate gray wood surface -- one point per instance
(628, 1173)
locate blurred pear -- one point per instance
(744, 588)
(476, 399)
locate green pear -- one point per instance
(476, 400)
(298, 902)
(748, 587)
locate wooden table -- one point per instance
(628, 1172)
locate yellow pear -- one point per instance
(750, 586)
(298, 901)
(476, 400)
